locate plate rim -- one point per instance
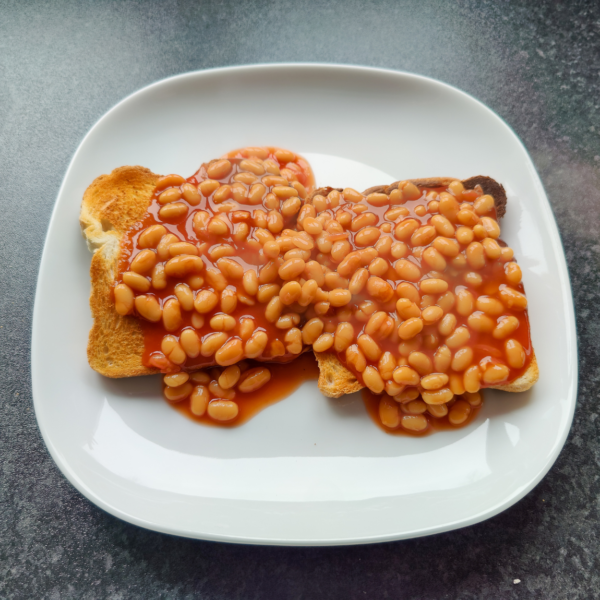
(563, 272)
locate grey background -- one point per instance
(63, 64)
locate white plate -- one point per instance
(308, 470)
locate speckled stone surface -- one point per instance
(63, 64)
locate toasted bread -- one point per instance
(111, 205)
(335, 379)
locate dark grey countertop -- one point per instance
(64, 64)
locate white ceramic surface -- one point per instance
(308, 470)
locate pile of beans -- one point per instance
(410, 287)
(213, 391)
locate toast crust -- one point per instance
(111, 205)
(335, 379)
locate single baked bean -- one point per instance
(254, 379)
(190, 342)
(230, 353)
(442, 359)
(339, 297)
(124, 299)
(515, 354)
(291, 269)
(492, 249)
(352, 196)
(473, 279)
(407, 395)
(312, 330)
(434, 381)
(369, 347)
(173, 211)
(464, 235)
(446, 301)
(183, 265)
(151, 236)
(384, 244)
(490, 306)
(513, 273)
(483, 204)
(420, 362)
(481, 323)
(217, 226)
(212, 342)
(496, 373)
(176, 379)
(447, 324)
(379, 325)
(199, 400)
(205, 301)
(491, 227)
(230, 268)
(323, 342)
(179, 393)
(290, 292)
(467, 217)
(386, 365)
(378, 199)
(407, 309)
(434, 259)
(459, 338)
(379, 289)
(432, 314)
(144, 262)
(159, 278)
(197, 320)
(462, 359)
(457, 384)
(440, 396)
(355, 358)
(284, 192)
(170, 195)
(379, 267)
(506, 326)
(247, 327)
(367, 236)
(437, 410)
(229, 300)
(459, 412)
(218, 169)
(512, 299)
(472, 379)
(222, 410)
(404, 230)
(344, 336)
(222, 323)
(358, 281)
(286, 321)
(173, 350)
(190, 194)
(135, 281)
(148, 307)
(395, 213)
(373, 380)
(179, 248)
(169, 181)
(473, 399)
(229, 377)
(392, 388)
(410, 328)
(507, 254)
(216, 279)
(464, 303)
(407, 270)
(256, 345)
(475, 255)
(274, 309)
(442, 226)
(267, 291)
(423, 236)
(171, 315)
(389, 414)
(409, 291)
(340, 250)
(433, 286)
(447, 247)
(448, 206)
(409, 190)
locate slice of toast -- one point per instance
(335, 379)
(111, 205)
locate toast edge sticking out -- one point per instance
(110, 206)
(335, 379)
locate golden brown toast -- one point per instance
(335, 379)
(111, 205)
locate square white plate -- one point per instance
(308, 470)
